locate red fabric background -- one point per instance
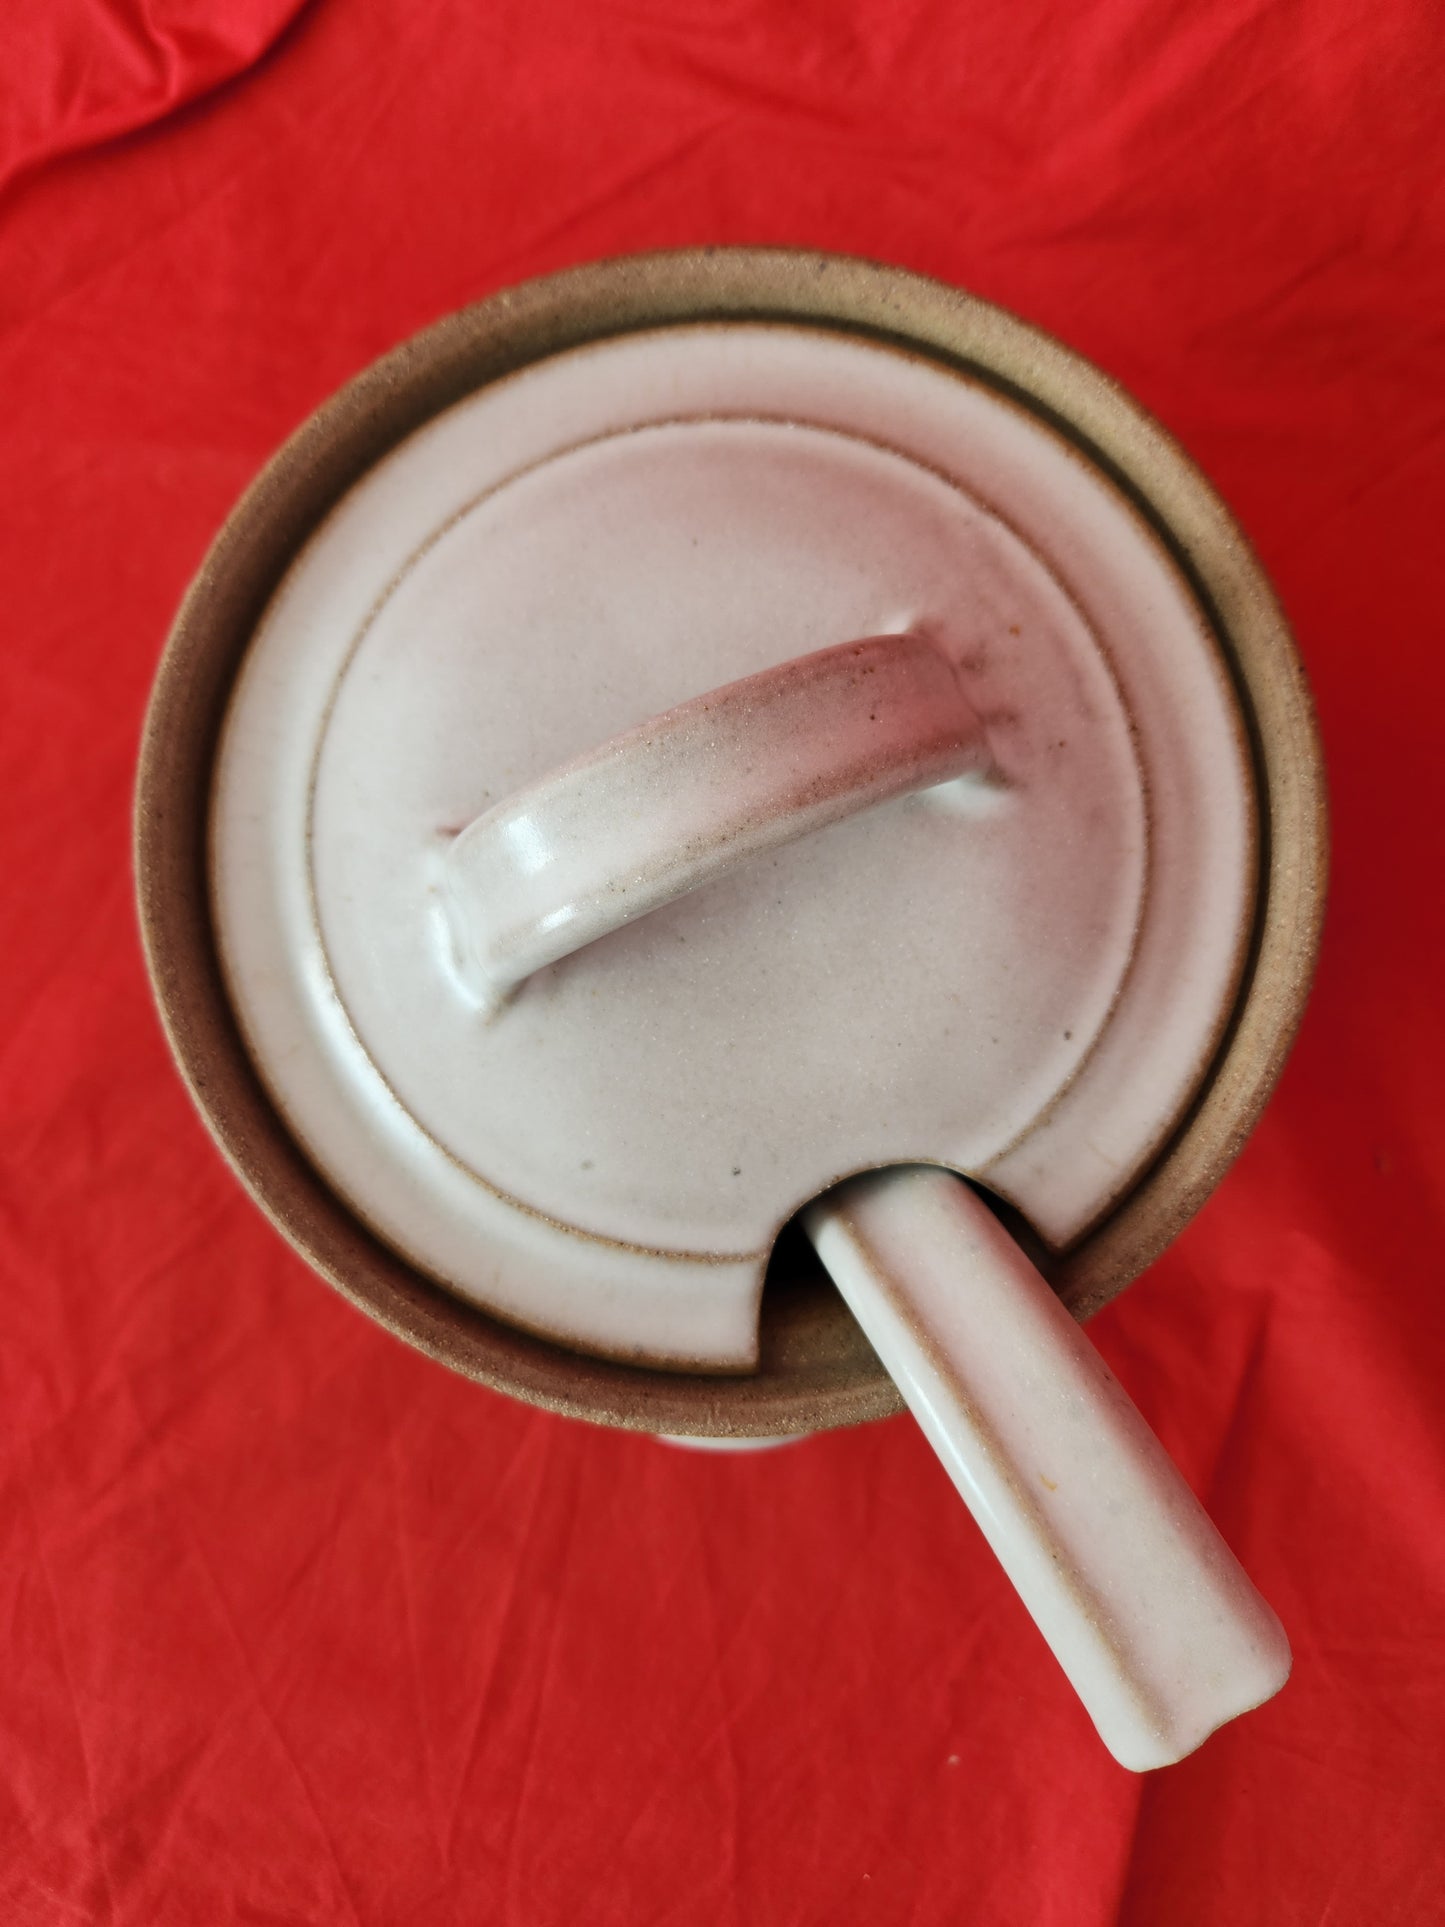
(298, 1628)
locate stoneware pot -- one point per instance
(1140, 879)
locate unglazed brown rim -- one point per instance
(816, 1368)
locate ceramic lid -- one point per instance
(1019, 971)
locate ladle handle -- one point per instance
(1159, 1630)
(678, 800)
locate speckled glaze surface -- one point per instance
(813, 1369)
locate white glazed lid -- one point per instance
(1021, 975)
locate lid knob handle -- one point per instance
(688, 795)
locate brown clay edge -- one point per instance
(816, 1370)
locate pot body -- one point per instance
(816, 1369)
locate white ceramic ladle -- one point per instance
(1160, 1631)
